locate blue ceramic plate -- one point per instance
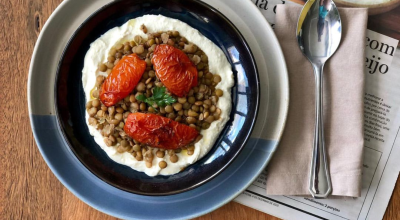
(189, 204)
(70, 98)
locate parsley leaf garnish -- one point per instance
(159, 97)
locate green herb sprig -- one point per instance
(159, 97)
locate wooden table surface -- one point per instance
(29, 190)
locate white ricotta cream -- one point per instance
(218, 64)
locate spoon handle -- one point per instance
(320, 182)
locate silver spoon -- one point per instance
(318, 33)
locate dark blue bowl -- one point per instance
(70, 99)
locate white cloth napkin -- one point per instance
(288, 172)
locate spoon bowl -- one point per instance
(319, 31)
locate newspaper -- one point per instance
(382, 142)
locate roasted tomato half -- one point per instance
(158, 131)
(174, 69)
(122, 80)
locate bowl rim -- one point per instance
(373, 9)
(60, 124)
(371, 6)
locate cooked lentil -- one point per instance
(197, 110)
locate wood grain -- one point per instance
(29, 190)
(387, 23)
